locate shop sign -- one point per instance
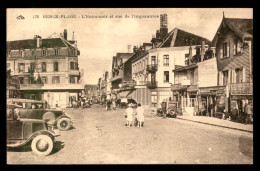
(208, 73)
(241, 88)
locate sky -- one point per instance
(99, 39)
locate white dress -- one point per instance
(129, 113)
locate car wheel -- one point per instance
(64, 124)
(173, 113)
(42, 145)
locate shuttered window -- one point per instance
(221, 53)
(226, 49)
(56, 66)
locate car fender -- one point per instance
(62, 116)
(42, 132)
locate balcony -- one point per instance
(151, 84)
(73, 72)
(31, 86)
(119, 76)
(241, 88)
(128, 85)
(152, 68)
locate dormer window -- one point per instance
(44, 52)
(56, 52)
(22, 53)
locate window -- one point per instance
(31, 80)
(55, 79)
(166, 60)
(166, 77)
(56, 66)
(235, 49)
(22, 53)
(32, 66)
(239, 75)
(225, 77)
(225, 49)
(43, 66)
(44, 52)
(21, 67)
(239, 47)
(73, 65)
(153, 58)
(72, 80)
(44, 80)
(21, 80)
(56, 52)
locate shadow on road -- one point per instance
(246, 146)
(57, 147)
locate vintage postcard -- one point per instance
(129, 86)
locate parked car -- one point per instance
(33, 132)
(123, 102)
(35, 109)
(169, 109)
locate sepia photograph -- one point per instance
(129, 86)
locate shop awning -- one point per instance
(127, 94)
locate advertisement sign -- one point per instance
(208, 73)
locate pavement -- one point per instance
(213, 121)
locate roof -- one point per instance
(123, 56)
(23, 100)
(140, 56)
(178, 37)
(243, 28)
(185, 68)
(32, 44)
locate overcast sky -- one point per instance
(100, 39)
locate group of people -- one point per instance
(137, 116)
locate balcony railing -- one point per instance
(241, 88)
(152, 68)
(151, 84)
(128, 85)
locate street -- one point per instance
(100, 137)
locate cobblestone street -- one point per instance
(100, 137)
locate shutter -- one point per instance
(229, 76)
(244, 75)
(220, 78)
(228, 52)
(234, 76)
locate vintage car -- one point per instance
(123, 102)
(169, 109)
(35, 109)
(34, 132)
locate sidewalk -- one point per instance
(218, 122)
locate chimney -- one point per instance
(190, 54)
(163, 26)
(39, 41)
(129, 48)
(65, 34)
(202, 52)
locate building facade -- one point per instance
(47, 69)
(234, 52)
(153, 69)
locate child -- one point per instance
(140, 115)
(129, 115)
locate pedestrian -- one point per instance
(129, 115)
(17, 114)
(234, 114)
(140, 115)
(249, 112)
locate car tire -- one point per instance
(173, 114)
(42, 145)
(64, 124)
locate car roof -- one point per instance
(24, 100)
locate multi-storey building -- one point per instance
(121, 80)
(152, 70)
(91, 91)
(234, 52)
(47, 68)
